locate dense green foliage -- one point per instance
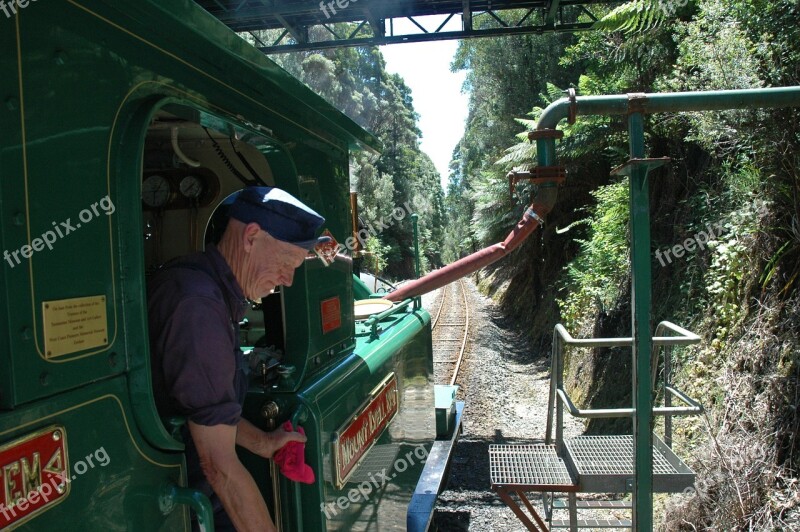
(733, 177)
(732, 173)
(355, 81)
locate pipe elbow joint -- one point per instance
(545, 199)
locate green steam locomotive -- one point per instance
(125, 125)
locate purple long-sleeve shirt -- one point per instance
(194, 307)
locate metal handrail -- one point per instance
(373, 321)
(694, 408)
(562, 337)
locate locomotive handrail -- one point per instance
(193, 498)
(373, 321)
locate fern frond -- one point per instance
(518, 154)
(554, 93)
(637, 16)
(530, 125)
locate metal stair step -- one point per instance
(561, 504)
(593, 523)
(533, 467)
(605, 464)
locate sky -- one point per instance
(436, 91)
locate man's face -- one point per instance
(271, 263)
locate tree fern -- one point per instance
(638, 16)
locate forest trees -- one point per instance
(736, 170)
(355, 81)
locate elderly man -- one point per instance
(195, 305)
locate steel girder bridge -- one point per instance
(317, 24)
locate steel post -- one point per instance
(414, 223)
(642, 331)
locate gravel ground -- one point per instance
(505, 386)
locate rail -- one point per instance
(449, 323)
(559, 398)
(466, 333)
(441, 307)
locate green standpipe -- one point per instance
(414, 222)
(636, 106)
(417, 268)
(642, 330)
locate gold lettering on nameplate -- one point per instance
(355, 438)
(72, 325)
(33, 475)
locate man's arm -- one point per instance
(264, 444)
(233, 484)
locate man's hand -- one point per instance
(264, 444)
(216, 446)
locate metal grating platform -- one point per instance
(605, 464)
(560, 504)
(530, 466)
(610, 455)
(592, 523)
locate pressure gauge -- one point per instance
(156, 191)
(191, 187)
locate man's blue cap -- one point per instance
(280, 214)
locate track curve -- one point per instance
(450, 327)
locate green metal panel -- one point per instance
(329, 400)
(322, 182)
(115, 475)
(71, 40)
(81, 88)
(54, 169)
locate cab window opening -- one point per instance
(192, 162)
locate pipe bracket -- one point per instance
(573, 106)
(637, 103)
(545, 134)
(533, 214)
(541, 175)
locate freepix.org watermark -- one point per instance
(59, 230)
(341, 4)
(11, 7)
(671, 6)
(57, 484)
(698, 240)
(363, 491)
(375, 228)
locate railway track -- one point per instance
(450, 328)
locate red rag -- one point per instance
(291, 459)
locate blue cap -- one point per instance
(280, 214)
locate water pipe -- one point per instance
(635, 106)
(626, 104)
(534, 217)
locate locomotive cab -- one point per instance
(298, 340)
(126, 126)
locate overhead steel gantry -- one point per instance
(315, 24)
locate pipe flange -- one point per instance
(573, 106)
(545, 134)
(637, 103)
(541, 175)
(549, 174)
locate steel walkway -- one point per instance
(590, 464)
